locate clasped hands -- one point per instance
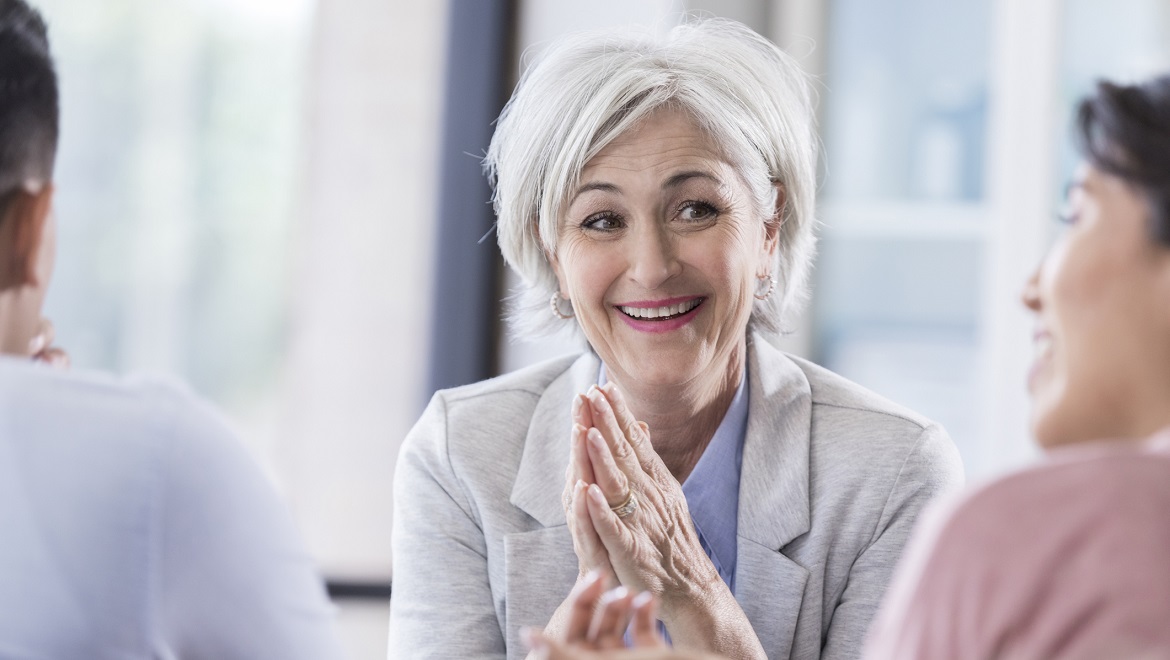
(597, 627)
(652, 546)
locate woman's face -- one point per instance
(1102, 304)
(659, 252)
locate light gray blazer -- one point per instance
(833, 479)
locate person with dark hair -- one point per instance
(134, 524)
(1067, 559)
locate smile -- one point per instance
(661, 313)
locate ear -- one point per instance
(772, 225)
(22, 230)
(556, 266)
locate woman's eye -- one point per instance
(1067, 218)
(602, 222)
(697, 212)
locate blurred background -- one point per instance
(280, 202)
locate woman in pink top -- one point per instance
(1069, 559)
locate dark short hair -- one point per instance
(1125, 130)
(28, 98)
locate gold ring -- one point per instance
(626, 508)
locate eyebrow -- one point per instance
(673, 182)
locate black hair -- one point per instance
(1124, 130)
(29, 112)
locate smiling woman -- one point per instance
(657, 194)
(661, 250)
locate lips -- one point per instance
(659, 310)
(1041, 343)
(1041, 354)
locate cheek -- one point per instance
(585, 270)
(1075, 277)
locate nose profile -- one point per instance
(652, 255)
(1030, 296)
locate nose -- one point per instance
(1030, 296)
(652, 254)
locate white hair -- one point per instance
(587, 89)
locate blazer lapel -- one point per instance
(771, 598)
(540, 566)
(540, 478)
(773, 496)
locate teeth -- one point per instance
(1042, 345)
(660, 312)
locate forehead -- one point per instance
(665, 140)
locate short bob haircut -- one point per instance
(586, 90)
(28, 100)
(1124, 130)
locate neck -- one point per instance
(683, 417)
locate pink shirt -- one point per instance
(1069, 559)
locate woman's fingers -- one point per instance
(636, 432)
(644, 627)
(605, 421)
(606, 474)
(582, 412)
(606, 525)
(587, 544)
(610, 619)
(579, 458)
(583, 599)
(544, 647)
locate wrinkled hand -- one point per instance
(591, 554)
(41, 348)
(598, 622)
(655, 548)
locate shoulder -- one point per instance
(88, 409)
(507, 398)
(875, 431)
(841, 396)
(485, 421)
(527, 383)
(1104, 486)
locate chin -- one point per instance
(1045, 438)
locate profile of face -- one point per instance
(28, 243)
(660, 250)
(1102, 303)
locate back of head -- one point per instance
(1125, 130)
(28, 99)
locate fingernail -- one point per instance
(579, 485)
(618, 593)
(642, 600)
(597, 495)
(613, 392)
(592, 575)
(596, 398)
(36, 344)
(576, 405)
(594, 436)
